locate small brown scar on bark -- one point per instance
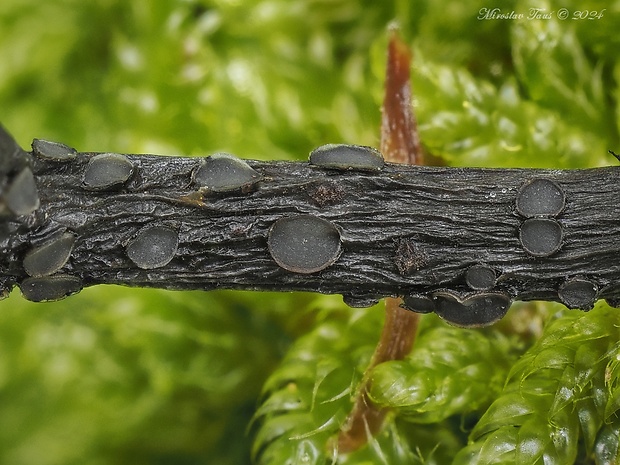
(326, 194)
(400, 143)
(408, 256)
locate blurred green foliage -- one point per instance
(119, 376)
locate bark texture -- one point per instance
(403, 230)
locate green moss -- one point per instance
(115, 376)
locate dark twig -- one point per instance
(517, 234)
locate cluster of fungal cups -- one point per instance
(45, 259)
(298, 243)
(323, 248)
(306, 243)
(19, 198)
(480, 306)
(153, 246)
(540, 201)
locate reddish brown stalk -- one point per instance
(399, 144)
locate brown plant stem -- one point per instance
(400, 143)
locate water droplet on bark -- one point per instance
(304, 243)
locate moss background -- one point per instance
(128, 376)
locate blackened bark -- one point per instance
(404, 230)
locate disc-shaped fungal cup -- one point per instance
(541, 237)
(480, 277)
(53, 151)
(107, 171)
(223, 172)
(304, 243)
(418, 303)
(540, 197)
(347, 157)
(153, 247)
(48, 288)
(539, 200)
(578, 293)
(472, 312)
(21, 196)
(49, 257)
